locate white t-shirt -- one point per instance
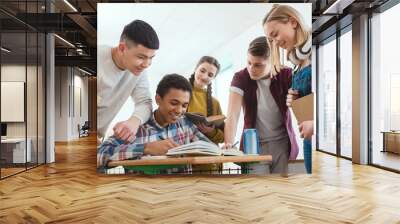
(114, 86)
(269, 123)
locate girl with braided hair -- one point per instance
(201, 100)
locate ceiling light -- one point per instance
(5, 50)
(65, 41)
(79, 51)
(338, 6)
(70, 5)
(84, 71)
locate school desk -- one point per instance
(152, 166)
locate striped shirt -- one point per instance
(182, 132)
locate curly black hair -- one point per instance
(173, 81)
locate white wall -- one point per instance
(14, 73)
(67, 115)
(34, 124)
(61, 103)
(79, 117)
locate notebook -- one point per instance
(202, 148)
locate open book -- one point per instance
(202, 148)
(196, 118)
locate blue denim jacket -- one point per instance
(301, 81)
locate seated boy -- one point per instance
(166, 128)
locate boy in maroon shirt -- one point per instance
(263, 98)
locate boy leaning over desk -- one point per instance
(166, 128)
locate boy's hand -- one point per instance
(227, 145)
(291, 96)
(126, 130)
(159, 148)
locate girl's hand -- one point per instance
(206, 129)
(292, 95)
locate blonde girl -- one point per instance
(285, 29)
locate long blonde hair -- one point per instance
(282, 13)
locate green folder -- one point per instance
(153, 169)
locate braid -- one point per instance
(214, 62)
(191, 80)
(209, 100)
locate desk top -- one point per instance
(191, 160)
(391, 132)
(13, 140)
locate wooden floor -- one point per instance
(10, 171)
(5, 172)
(70, 191)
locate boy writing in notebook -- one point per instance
(166, 128)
